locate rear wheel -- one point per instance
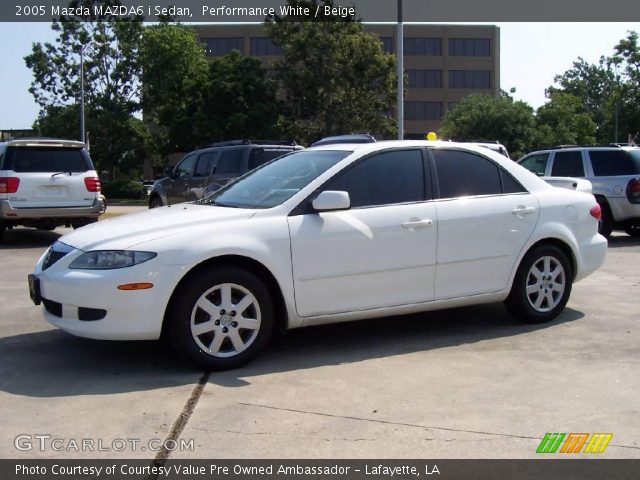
(221, 319)
(81, 222)
(542, 285)
(2, 229)
(155, 202)
(633, 230)
(605, 225)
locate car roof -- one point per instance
(44, 142)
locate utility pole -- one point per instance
(400, 62)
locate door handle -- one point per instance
(521, 210)
(417, 224)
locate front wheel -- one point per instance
(221, 319)
(542, 285)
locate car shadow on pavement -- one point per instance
(23, 238)
(384, 337)
(54, 363)
(623, 241)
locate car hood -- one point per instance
(129, 230)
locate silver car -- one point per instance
(613, 171)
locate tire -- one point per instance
(605, 226)
(206, 325)
(2, 229)
(156, 202)
(633, 230)
(542, 285)
(81, 222)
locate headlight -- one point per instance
(110, 259)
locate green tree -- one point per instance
(111, 70)
(175, 72)
(562, 121)
(239, 100)
(487, 118)
(596, 88)
(627, 58)
(335, 77)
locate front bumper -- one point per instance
(9, 213)
(71, 297)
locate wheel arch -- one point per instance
(556, 242)
(251, 265)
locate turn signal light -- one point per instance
(9, 184)
(596, 212)
(135, 286)
(633, 190)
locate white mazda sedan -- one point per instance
(329, 234)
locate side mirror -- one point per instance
(169, 172)
(331, 200)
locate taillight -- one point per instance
(92, 184)
(633, 190)
(596, 212)
(9, 184)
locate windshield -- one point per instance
(277, 181)
(47, 159)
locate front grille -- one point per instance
(52, 257)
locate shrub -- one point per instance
(125, 189)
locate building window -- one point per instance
(217, 47)
(423, 46)
(422, 110)
(469, 79)
(264, 46)
(387, 44)
(425, 78)
(470, 47)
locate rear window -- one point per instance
(47, 159)
(615, 162)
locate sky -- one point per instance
(532, 54)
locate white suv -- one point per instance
(45, 183)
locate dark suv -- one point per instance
(202, 172)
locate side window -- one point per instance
(536, 163)
(462, 174)
(612, 162)
(383, 179)
(230, 162)
(509, 184)
(567, 164)
(206, 162)
(185, 167)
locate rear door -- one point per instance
(49, 176)
(485, 217)
(229, 166)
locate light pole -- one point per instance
(400, 57)
(83, 137)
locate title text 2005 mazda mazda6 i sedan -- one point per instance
(328, 234)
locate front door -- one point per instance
(379, 253)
